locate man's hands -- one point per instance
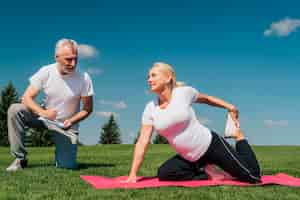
(51, 115)
(67, 124)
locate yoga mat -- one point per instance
(100, 182)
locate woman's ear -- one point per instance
(169, 79)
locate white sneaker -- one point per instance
(230, 127)
(16, 165)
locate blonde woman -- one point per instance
(173, 117)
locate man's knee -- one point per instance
(65, 153)
(67, 161)
(67, 164)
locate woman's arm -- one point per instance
(139, 152)
(214, 101)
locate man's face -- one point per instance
(66, 56)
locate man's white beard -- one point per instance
(68, 72)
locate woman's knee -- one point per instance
(163, 173)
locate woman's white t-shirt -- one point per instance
(178, 123)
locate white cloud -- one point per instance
(117, 105)
(283, 27)
(272, 123)
(204, 121)
(87, 51)
(120, 105)
(94, 71)
(107, 114)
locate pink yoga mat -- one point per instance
(100, 182)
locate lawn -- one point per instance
(43, 181)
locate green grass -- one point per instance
(43, 181)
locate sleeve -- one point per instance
(147, 118)
(191, 94)
(88, 89)
(38, 79)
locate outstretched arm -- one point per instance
(214, 101)
(139, 152)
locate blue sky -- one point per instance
(244, 52)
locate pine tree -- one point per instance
(39, 137)
(160, 140)
(110, 133)
(8, 96)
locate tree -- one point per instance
(33, 137)
(110, 133)
(158, 139)
(8, 96)
(39, 137)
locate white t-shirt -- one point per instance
(178, 123)
(62, 92)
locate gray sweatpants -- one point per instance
(19, 118)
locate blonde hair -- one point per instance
(169, 69)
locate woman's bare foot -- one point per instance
(215, 174)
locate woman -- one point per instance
(173, 117)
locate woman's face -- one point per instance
(158, 79)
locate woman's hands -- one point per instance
(139, 152)
(130, 179)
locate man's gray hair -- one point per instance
(65, 41)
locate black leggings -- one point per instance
(240, 163)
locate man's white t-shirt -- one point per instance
(178, 123)
(62, 92)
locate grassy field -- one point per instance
(43, 181)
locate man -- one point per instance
(64, 88)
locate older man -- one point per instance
(64, 88)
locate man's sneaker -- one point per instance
(17, 164)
